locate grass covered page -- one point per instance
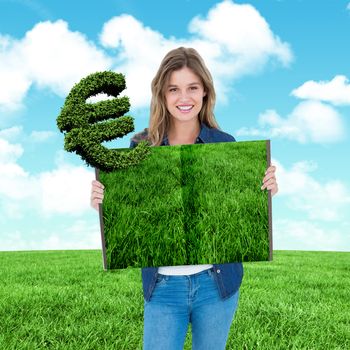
(188, 205)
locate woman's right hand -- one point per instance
(96, 194)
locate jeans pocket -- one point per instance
(160, 279)
(211, 274)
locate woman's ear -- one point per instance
(204, 93)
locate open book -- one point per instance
(188, 205)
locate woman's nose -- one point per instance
(184, 95)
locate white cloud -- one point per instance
(99, 97)
(9, 152)
(241, 31)
(233, 39)
(41, 136)
(329, 201)
(29, 203)
(64, 190)
(11, 133)
(15, 183)
(317, 211)
(336, 91)
(16, 132)
(308, 235)
(141, 50)
(310, 121)
(79, 234)
(49, 56)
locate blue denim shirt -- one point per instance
(227, 276)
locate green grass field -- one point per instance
(64, 300)
(190, 204)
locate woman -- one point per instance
(206, 296)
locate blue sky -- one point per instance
(281, 71)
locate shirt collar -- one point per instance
(203, 136)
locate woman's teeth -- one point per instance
(184, 108)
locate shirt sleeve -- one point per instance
(231, 138)
(228, 138)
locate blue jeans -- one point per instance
(178, 300)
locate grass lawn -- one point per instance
(64, 300)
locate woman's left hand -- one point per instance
(269, 181)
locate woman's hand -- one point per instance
(96, 194)
(269, 181)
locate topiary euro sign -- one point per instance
(87, 125)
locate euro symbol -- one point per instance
(87, 125)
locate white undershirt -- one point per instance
(182, 269)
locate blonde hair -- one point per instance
(159, 122)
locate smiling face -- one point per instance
(184, 95)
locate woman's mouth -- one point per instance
(185, 108)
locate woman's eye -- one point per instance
(172, 89)
(194, 87)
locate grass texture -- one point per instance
(189, 204)
(64, 300)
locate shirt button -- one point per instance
(197, 139)
(218, 270)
